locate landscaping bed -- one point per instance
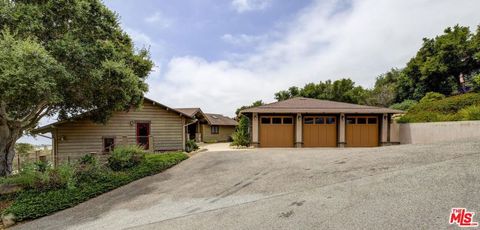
(66, 186)
(454, 108)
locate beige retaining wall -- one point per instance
(431, 132)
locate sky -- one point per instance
(221, 54)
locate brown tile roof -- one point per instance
(189, 111)
(218, 119)
(309, 105)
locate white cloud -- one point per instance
(160, 20)
(250, 5)
(360, 43)
(244, 39)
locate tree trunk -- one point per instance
(8, 137)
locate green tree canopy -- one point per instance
(439, 63)
(343, 90)
(63, 57)
(254, 104)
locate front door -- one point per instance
(143, 133)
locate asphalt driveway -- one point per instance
(396, 187)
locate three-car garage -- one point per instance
(305, 122)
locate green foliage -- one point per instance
(447, 109)
(438, 64)
(476, 82)
(33, 203)
(42, 166)
(241, 136)
(191, 145)
(404, 105)
(431, 97)
(88, 159)
(254, 104)
(385, 90)
(340, 90)
(23, 149)
(42, 177)
(470, 113)
(124, 157)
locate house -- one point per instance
(208, 127)
(306, 122)
(155, 126)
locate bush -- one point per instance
(448, 109)
(404, 105)
(191, 145)
(31, 177)
(88, 170)
(33, 204)
(476, 82)
(241, 136)
(432, 96)
(470, 113)
(125, 157)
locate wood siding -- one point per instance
(224, 133)
(75, 139)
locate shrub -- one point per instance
(42, 166)
(31, 178)
(241, 136)
(191, 145)
(470, 113)
(404, 105)
(476, 82)
(88, 159)
(88, 170)
(33, 204)
(125, 157)
(448, 109)
(432, 96)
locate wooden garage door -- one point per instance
(361, 131)
(276, 131)
(319, 131)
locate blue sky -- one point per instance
(222, 54)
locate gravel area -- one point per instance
(395, 187)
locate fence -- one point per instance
(37, 155)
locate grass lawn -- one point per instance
(88, 182)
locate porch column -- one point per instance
(198, 133)
(384, 136)
(183, 132)
(255, 129)
(298, 131)
(341, 131)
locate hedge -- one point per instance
(455, 108)
(33, 204)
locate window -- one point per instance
(361, 120)
(319, 120)
(308, 120)
(108, 144)
(350, 120)
(287, 120)
(330, 120)
(215, 129)
(265, 120)
(372, 120)
(276, 120)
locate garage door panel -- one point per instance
(362, 131)
(276, 135)
(318, 133)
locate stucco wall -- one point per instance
(422, 133)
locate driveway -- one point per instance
(396, 187)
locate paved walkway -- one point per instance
(396, 187)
